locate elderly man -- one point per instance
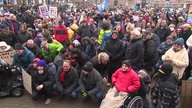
(135, 52)
(7, 36)
(23, 57)
(66, 79)
(178, 57)
(30, 45)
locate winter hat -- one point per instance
(169, 37)
(179, 41)
(36, 60)
(4, 44)
(60, 22)
(75, 51)
(18, 46)
(4, 26)
(165, 69)
(124, 39)
(41, 63)
(114, 31)
(88, 67)
(43, 44)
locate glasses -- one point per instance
(66, 66)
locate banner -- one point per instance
(1, 1)
(27, 81)
(43, 11)
(7, 56)
(52, 12)
(104, 5)
(189, 19)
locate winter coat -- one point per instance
(156, 39)
(89, 48)
(114, 48)
(101, 68)
(162, 33)
(185, 35)
(92, 83)
(10, 39)
(24, 59)
(71, 32)
(127, 81)
(84, 31)
(166, 92)
(35, 50)
(135, 53)
(70, 80)
(47, 79)
(53, 50)
(163, 47)
(180, 60)
(150, 53)
(61, 33)
(24, 37)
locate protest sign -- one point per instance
(43, 11)
(7, 56)
(52, 12)
(27, 83)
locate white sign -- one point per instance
(27, 82)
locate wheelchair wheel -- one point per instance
(135, 102)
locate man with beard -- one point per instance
(42, 82)
(8, 36)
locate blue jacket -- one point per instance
(24, 59)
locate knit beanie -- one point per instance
(18, 46)
(165, 69)
(88, 67)
(179, 41)
(41, 63)
(169, 37)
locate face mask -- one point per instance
(40, 71)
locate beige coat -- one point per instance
(179, 60)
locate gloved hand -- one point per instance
(84, 94)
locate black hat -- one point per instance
(60, 22)
(4, 26)
(18, 46)
(166, 69)
(88, 67)
(75, 51)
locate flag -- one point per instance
(104, 5)
(135, 7)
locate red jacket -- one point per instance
(127, 81)
(61, 33)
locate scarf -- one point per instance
(62, 76)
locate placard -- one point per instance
(27, 81)
(7, 56)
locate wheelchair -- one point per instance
(133, 101)
(11, 83)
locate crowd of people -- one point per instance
(82, 51)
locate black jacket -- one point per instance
(101, 68)
(70, 80)
(135, 53)
(163, 33)
(150, 54)
(10, 39)
(47, 79)
(166, 92)
(185, 35)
